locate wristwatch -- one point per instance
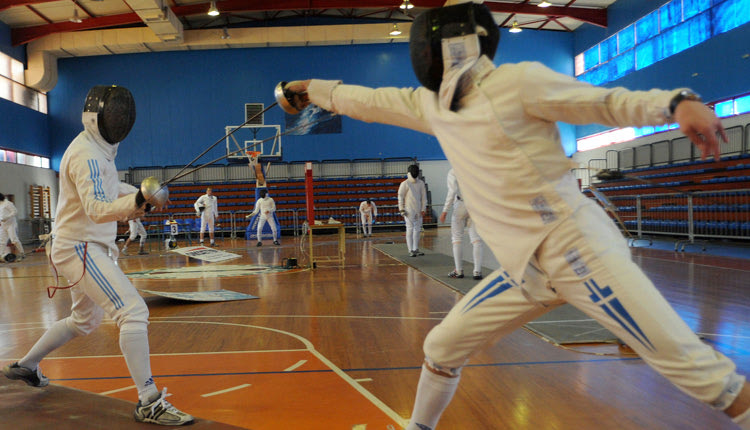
(680, 97)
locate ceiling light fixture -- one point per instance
(515, 28)
(75, 18)
(213, 10)
(544, 3)
(395, 31)
(406, 5)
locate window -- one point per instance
(9, 156)
(724, 109)
(13, 85)
(648, 53)
(647, 27)
(742, 104)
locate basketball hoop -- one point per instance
(252, 157)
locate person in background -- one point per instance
(367, 213)
(412, 204)
(207, 208)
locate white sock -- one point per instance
(478, 255)
(56, 336)
(457, 257)
(434, 392)
(743, 420)
(134, 346)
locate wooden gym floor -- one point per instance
(341, 348)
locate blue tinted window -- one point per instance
(597, 76)
(691, 8)
(674, 126)
(626, 38)
(659, 128)
(591, 58)
(647, 27)
(670, 14)
(724, 108)
(644, 131)
(676, 40)
(743, 104)
(608, 49)
(700, 29)
(621, 65)
(730, 14)
(648, 53)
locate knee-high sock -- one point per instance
(434, 392)
(478, 255)
(410, 240)
(458, 256)
(134, 346)
(56, 336)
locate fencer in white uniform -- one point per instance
(91, 201)
(412, 204)
(367, 213)
(207, 208)
(135, 228)
(9, 230)
(497, 128)
(266, 206)
(459, 221)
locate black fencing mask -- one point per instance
(114, 110)
(263, 194)
(413, 171)
(434, 26)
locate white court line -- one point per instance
(168, 354)
(363, 379)
(295, 365)
(106, 393)
(216, 393)
(559, 321)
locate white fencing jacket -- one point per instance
(210, 205)
(453, 192)
(92, 199)
(370, 209)
(503, 142)
(266, 204)
(7, 211)
(412, 196)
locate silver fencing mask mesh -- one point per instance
(114, 107)
(432, 26)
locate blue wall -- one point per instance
(185, 98)
(21, 128)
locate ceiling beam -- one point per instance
(24, 35)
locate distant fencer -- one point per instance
(459, 221)
(266, 207)
(136, 229)
(207, 208)
(368, 211)
(412, 204)
(497, 126)
(91, 201)
(9, 231)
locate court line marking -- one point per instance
(295, 365)
(364, 380)
(228, 390)
(178, 353)
(106, 393)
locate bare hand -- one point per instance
(442, 216)
(701, 125)
(300, 100)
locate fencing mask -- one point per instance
(450, 37)
(413, 170)
(263, 194)
(111, 110)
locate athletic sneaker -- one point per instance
(276, 242)
(412, 253)
(455, 274)
(30, 377)
(161, 412)
(213, 244)
(477, 275)
(124, 251)
(142, 252)
(418, 252)
(259, 243)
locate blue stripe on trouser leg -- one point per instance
(98, 277)
(493, 288)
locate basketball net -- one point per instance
(252, 157)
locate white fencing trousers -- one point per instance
(586, 262)
(9, 230)
(413, 230)
(207, 220)
(366, 223)
(104, 289)
(261, 222)
(137, 229)
(459, 220)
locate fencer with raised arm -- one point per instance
(412, 204)
(460, 219)
(497, 128)
(368, 211)
(207, 208)
(9, 231)
(91, 201)
(135, 229)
